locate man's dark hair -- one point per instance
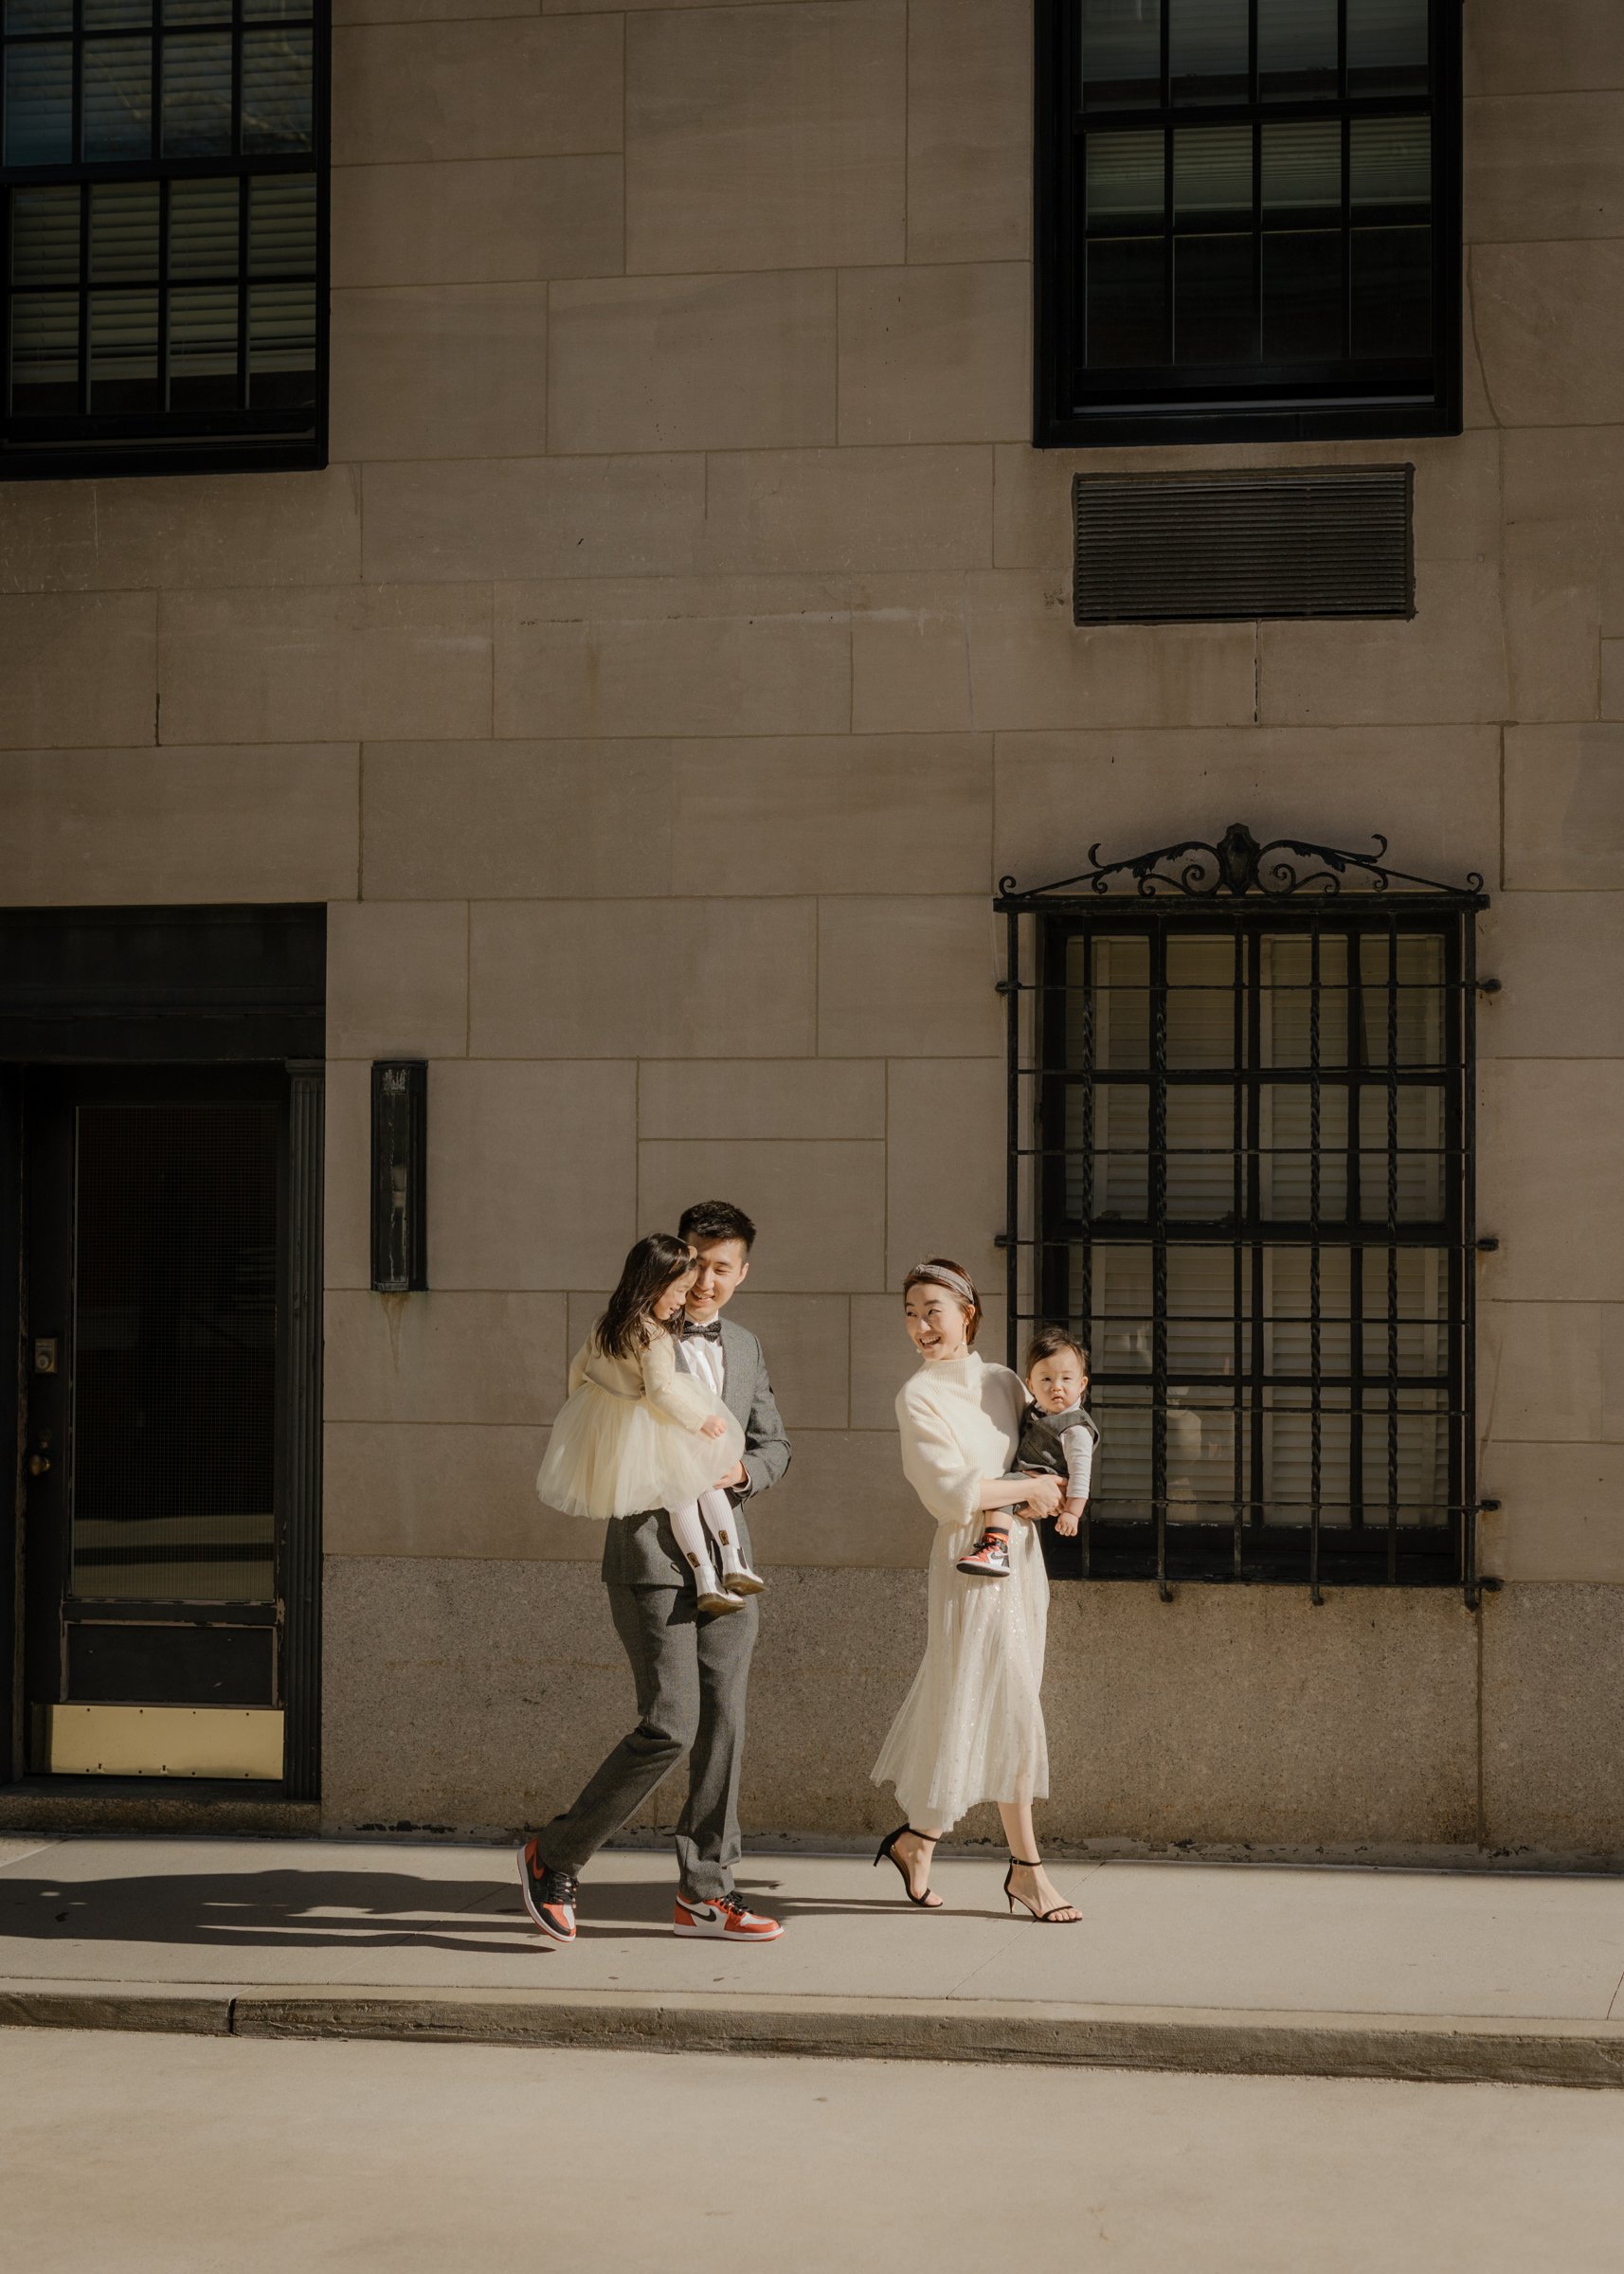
(715, 1220)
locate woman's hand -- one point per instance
(1042, 1497)
(712, 1426)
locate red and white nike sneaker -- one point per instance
(727, 1919)
(989, 1558)
(549, 1896)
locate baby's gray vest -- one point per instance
(1041, 1445)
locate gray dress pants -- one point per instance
(691, 1675)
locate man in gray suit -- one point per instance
(691, 1671)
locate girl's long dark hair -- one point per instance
(628, 1325)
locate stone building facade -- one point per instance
(675, 653)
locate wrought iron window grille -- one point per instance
(1240, 1165)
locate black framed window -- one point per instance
(1240, 1133)
(1248, 219)
(163, 169)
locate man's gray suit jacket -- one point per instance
(639, 1550)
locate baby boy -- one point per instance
(1057, 1439)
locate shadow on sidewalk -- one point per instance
(283, 1910)
(373, 1910)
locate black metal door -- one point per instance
(156, 1371)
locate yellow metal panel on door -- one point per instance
(164, 1741)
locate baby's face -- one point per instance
(1058, 1382)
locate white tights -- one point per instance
(704, 1531)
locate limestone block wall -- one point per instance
(675, 653)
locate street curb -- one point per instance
(1430, 2049)
(179, 2013)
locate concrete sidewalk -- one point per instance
(1267, 1969)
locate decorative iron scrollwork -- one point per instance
(1238, 865)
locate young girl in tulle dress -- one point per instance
(637, 1432)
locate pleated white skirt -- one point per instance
(971, 1726)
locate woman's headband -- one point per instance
(943, 1275)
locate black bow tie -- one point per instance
(712, 1333)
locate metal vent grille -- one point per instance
(1179, 548)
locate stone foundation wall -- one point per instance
(468, 1696)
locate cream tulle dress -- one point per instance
(971, 1727)
(627, 1437)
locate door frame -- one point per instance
(205, 988)
(296, 1091)
(12, 1722)
(299, 1430)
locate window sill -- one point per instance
(67, 463)
(1152, 427)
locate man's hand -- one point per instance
(736, 1475)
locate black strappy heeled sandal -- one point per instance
(1056, 1917)
(887, 1855)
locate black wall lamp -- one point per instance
(400, 1176)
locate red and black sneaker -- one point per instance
(549, 1896)
(727, 1919)
(989, 1558)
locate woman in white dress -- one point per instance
(971, 1727)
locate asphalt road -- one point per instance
(153, 2155)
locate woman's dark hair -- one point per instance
(627, 1324)
(715, 1220)
(938, 1271)
(1048, 1343)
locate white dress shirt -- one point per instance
(703, 1357)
